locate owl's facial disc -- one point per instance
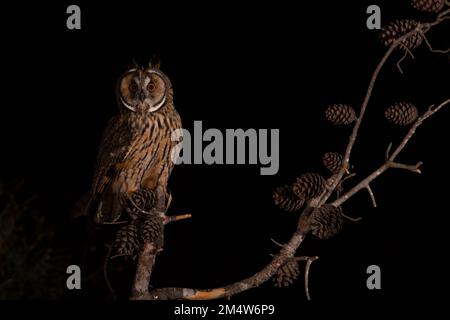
(142, 90)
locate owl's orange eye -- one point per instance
(133, 87)
(151, 87)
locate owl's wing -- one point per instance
(105, 203)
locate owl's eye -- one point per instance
(133, 87)
(151, 86)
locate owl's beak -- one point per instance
(142, 96)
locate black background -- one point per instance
(274, 65)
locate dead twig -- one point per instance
(407, 51)
(372, 196)
(105, 272)
(351, 219)
(431, 48)
(309, 261)
(276, 242)
(169, 219)
(388, 151)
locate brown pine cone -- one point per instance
(333, 161)
(340, 114)
(127, 241)
(326, 221)
(152, 228)
(308, 186)
(428, 5)
(402, 113)
(286, 274)
(287, 200)
(398, 28)
(139, 202)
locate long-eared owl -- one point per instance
(135, 151)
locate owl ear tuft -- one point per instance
(134, 64)
(154, 62)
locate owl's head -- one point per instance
(144, 90)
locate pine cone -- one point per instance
(340, 114)
(286, 274)
(127, 240)
(287, 200)
(428, 5)
(152, 228)
(398, 28)
(402, 113)
(326, 221)
(139, 201)
(308, 186)
(333, 161)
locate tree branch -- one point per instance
(390, 163)
(144, 269)
(422, 29)
(140, 292)
(256, 280)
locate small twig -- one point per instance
(414, 168)
(351, 219)
(407, 51)
(372, 196)
(169, 219)
(115, 222)
(276, 242)
(105, 272)
(351, 175)
(441, 16)
(431, 48)
(309, 261)
(388, 151)
(340, 188)
(118, 256)
(399, 61)
(301, 258)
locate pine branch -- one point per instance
(390, 161)
(422, 29)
